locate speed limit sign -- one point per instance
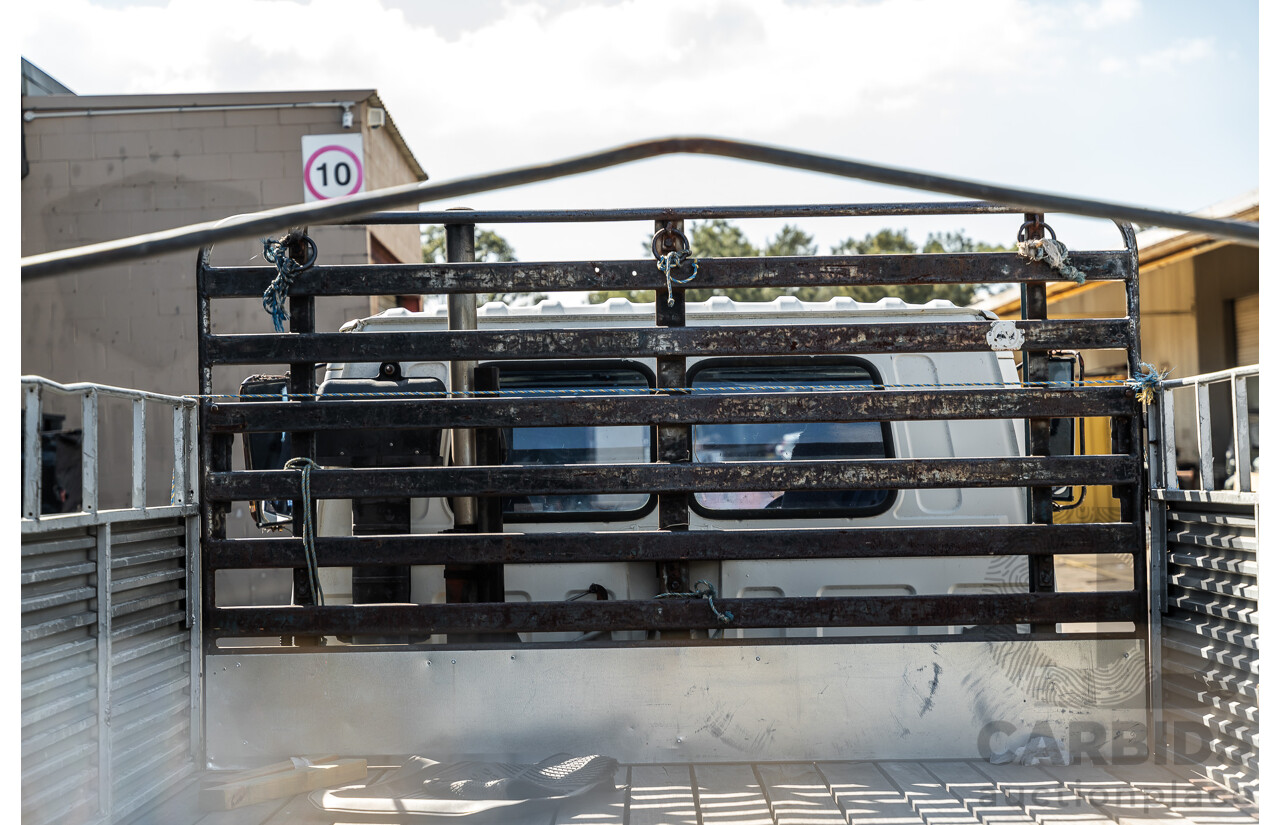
(332, 166)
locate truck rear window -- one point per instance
(574, 445)
(783, 441)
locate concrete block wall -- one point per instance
(106, 176)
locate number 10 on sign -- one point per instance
(333, 166)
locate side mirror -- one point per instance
(267, 451)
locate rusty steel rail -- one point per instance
(685, 545)
(561, 276)
(274, 220)
(679, 614)
(687, 213)
(622, 410)
(771, 339)
(566, 479)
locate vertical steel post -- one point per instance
(89, 451)
(1035, 368)
(302, 388)
(192, 455)
(460, 247)
(179, 493)
(104, 597)
(139, 454)
(32, 455)
(1157, 580)
(466, 582)
(215, 450)
(1168, 446)
(195, 622)
(674, 441)
(1244, 449)
(1204, 424)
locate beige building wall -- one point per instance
(109, 175)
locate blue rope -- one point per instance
(308, 526)
(674, 260)
(699, 592)
(277, 252)
(1147, 382)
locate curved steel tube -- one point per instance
(267, 222)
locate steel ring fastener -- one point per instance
(681, 242)
(1022, 230)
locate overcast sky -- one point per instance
(1150, 103)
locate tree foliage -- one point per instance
(723, 239)
(490, 248)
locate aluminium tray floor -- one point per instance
(822, 793)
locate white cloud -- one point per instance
(1105, 13)
(929, 84)
(599, 73)
(1181, 53)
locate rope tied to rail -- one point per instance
(281, 251)
(1050, 250)
(1147, 382)
(674, 260)
(702, 589)
(670, 238)
(308, 526)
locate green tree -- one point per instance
(890, 242)
(490, 248)
(791, 240)
(719, 239)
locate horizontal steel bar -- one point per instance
(814, 339)
(64, 521)
(104, 389)
(38, 657)
(678, 545)
(813, 271)
(1210, 377)
(43, 601)
(60, 624)
(263, 223)
(37, 575)
(695, 213)
(1223, 497)
(874, 474)
(148, 624)
(675, 614)
(587, 411)
(33, 547)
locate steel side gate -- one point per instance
(111, 704)
(1204, 558)
(266, 700)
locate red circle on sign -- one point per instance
(306, 171)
